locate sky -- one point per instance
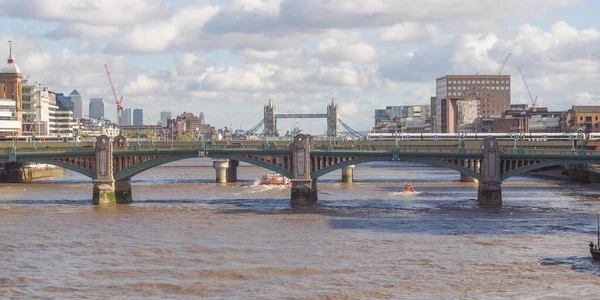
(228, 58)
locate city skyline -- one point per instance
(233, 57)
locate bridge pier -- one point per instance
(489, 192)
(304, 193)
(221, 170)
(123, 193)
(232, 170)
(348, 174)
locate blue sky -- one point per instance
(227, 58)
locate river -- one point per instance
(185, 237)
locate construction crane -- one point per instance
(118, 101)
(533, 101)
(504, 64)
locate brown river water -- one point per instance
(185, 237)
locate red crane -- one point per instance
(118, 101)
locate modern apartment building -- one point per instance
(491, 91)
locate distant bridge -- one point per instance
(112, 162)
(270, 121)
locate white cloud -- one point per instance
(356, 52)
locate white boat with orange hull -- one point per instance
(273, 178)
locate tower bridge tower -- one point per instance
(332, 119)
(269, 118)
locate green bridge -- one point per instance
(112, 162)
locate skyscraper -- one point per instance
(77, 104)
(64, 102)
(96, 108)
(164, 118)
(126, 116)
(138, 116)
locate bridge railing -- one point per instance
(550, 152)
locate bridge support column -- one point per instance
(304, 193)
(221, 170)
(123, 191)
(104, 182)
(304, 188)
(232, 170)
(348, 174)
(490, 188)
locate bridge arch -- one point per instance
(545, 164)
(259, 163)
(139, 168)
(432, 162)
(82, 171)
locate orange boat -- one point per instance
(408, 188)
(273, 178)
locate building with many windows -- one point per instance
(138, 116)
(96, 108)
(583, 119)
(492, 92)
(164, 118)
(77, 104)
(9, 125)
(126, 117)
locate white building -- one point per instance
(50, 121)
(9, 125)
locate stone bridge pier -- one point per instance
(489, 191)
(304, 188)
(106, 189)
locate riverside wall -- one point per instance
(19, 172)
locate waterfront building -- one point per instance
(9, 125)
(415, 115)
(582, 119)
(126, 117)
(492, 92)
(77, 104)
(29, 112)
(138, 116)
(11, 84)
(96, 108)
(50, 120)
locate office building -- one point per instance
(492, 92)
(164, 118)
(96, 108)
(138, 116)
(64, 102)
(77, 104)
(126, 117)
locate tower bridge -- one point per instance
(271, 116)
(112, 162)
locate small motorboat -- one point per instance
(408, 188)
(273, 178)
(595, 250)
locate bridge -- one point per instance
(112, 162)
(271, 116)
